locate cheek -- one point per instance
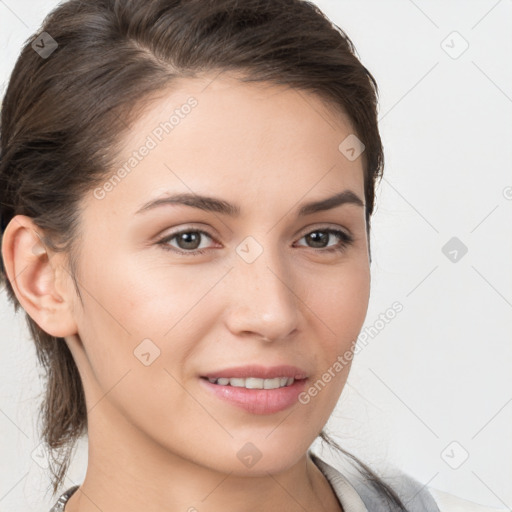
(134, 314)
(339, 305)
(340, 299)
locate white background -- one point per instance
(434, 385)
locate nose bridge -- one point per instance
(264, 302)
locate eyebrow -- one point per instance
(213, 204)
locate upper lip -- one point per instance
(259, 372)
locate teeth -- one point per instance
(254, 383)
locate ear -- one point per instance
(38, 277)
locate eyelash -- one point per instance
(345, 241)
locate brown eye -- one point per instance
(319, 238)
(187, 241)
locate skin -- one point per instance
(157, 440)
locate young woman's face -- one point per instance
(250, 281)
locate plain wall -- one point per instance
(430, 391)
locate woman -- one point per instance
(187, 194)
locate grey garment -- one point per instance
(414, 495)
(61, 502)
(354, 493)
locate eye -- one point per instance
(320, 236)
(189, 241)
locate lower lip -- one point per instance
(258, 401)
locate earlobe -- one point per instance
(34, 273)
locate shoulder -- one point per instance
(450, 503)
(371, 493)
(408, 486)
(416, 496)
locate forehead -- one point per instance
(217, 133)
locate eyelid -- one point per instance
(184, 228)
(304, 231)
(319, 227)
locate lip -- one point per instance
(257, 401)
(259, 372)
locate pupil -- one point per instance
(322, 238)
(188, 238)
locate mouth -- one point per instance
(255, 395)
(253, 382)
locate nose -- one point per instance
(263, 300)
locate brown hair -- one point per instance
(63, 114)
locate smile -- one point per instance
(250, 395)
(254, 382)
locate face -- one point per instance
(174, 292)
